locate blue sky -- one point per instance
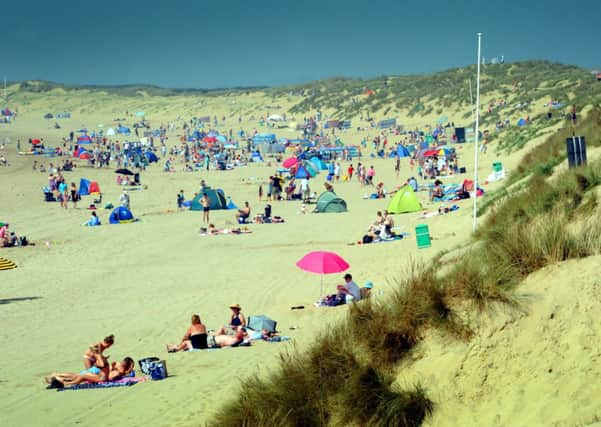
(208, 44)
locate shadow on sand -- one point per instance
(17, 299)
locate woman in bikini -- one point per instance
(195, 337)
(93, 374)
(237, 321)
(93, 356)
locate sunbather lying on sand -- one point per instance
(211, 230)
(92, 375)
(224, 340)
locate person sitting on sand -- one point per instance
(4, 236)
(93, 221)
(380, 191)
(194, 338)
(243, 214)
(437, 191)
(93, 355)
(237, 321)
(349, 290)
(93, 374)
(388, 223)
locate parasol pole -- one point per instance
(475, 219)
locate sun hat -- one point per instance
(368, 285)
(236, 306)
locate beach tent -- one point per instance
(319, 164)
(110, 132)
(84, 139)
(123, 130)
(48, 116)
(402, 151)
(121, 215)
(94, 188)
(302, 172)
(522, 122)
(329, 202)
(63, 115)
(152, 158)
(140, 114)
(256, 157)
(216, 199)
(404, 201)
(84, 187)
(264, 138)
(87, 187)
(275, 118)
(311, 168)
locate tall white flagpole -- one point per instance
(476, 137)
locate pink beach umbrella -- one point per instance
(322, 262)
(288, 163)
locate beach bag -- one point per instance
(145, 364)
(158, 370)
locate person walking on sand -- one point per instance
(74, 195)
(64, 194)
(206, 206)
(180, 199)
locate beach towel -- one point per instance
(124, 382)
(242, 344)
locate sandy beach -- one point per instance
(143, 281)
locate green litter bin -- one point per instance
(422, 235)
(497, 167)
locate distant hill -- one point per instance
(413, 95)
(41, 86)
(416, 94)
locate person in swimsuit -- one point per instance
(93, 374)
(74, 195)
(195, 337)
(206, 206)
(237, 322)
(93, 355)
(225, 340)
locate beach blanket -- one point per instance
(392, 239)
(124, 382)
(6, 264)
(242, 344)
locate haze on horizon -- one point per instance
(233, 43)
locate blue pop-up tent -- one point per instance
(121, 215)
(84, 187)
(302, 172)
(402, 151)
(152, 158)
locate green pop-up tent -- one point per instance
(330, 202)
(404, 201)
(216, 199)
